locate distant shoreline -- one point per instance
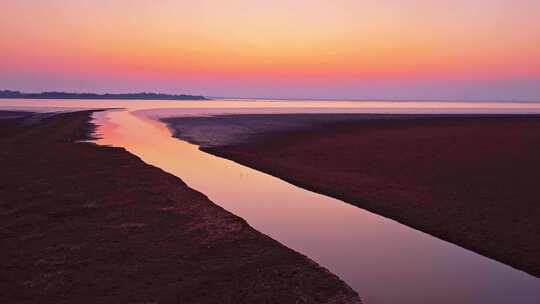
(125, 96)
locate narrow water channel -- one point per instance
(386, 262)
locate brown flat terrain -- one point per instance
(472, 181)
(80, 223)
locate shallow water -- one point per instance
(386, 262)
(383, 260)
(274, 106)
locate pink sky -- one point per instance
(397, 49)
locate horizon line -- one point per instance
(289, 98)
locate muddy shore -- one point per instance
(468, 179)
(81, 223)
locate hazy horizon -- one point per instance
(277, 98)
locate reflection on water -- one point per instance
(276, 106)
(384, 261)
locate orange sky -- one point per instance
(232, 47)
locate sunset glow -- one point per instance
(403, 49)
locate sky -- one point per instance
(341, 49)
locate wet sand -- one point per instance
(81, 223)
(471, 180)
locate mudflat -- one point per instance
(81, 223)
(468, 179)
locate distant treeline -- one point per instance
(67, 95)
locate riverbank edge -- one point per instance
(281, 173)
(297, 278)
